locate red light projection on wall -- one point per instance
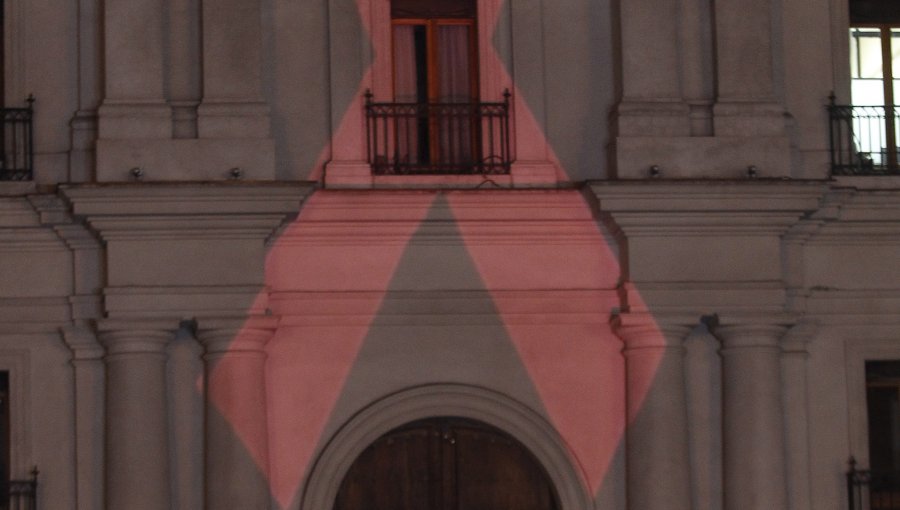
(537, 259)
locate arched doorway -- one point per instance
(446, 464)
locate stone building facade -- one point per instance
(216, 290)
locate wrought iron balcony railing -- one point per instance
(16, 143)
(864, 139)
(869, 490)
(438, 138)
(20, 494)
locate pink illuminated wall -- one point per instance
(532, 270)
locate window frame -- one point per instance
(431, 25)
(887, 83)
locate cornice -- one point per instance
(708, 196)
(129, 199)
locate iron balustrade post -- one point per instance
(851, 485)
(831, 107)
(29, 139)
(505, 150)
(369, 131)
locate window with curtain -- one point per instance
(435, 68)
(875, 79)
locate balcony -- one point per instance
(20, 494)
(17, 156)
(864, 139)
(438, 138)
(869, 490)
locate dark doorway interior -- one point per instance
(4, 440)
(446, 464)
(883, 403)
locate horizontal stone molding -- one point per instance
(184, 301)
(197, 198)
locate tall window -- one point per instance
(883, 404)
(4, 441)
(436, 123)
(865, 133)
(435, 65)
(434, 51)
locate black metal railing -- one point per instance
(864, 139)
(438, 138)
(20, 494)
(870, 490)
(16, 143)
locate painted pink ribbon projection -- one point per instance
(538, 257)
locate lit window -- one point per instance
(436, 123)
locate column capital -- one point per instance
(641, 331)
(737, 336)
(139, 336)
(799, 335)
(232, 335)
(82, 341)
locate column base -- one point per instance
(135, 120)
(737, 118)
(224, 119)
(652, 118)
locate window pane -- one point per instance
(405, 64)
(867, 92)
(410, 130)
(867, 87)
(895, 61)
(865, 51)
(453, 63)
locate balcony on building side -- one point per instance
(872, 490)
(864, 139)
(438, 138)
(17, 143)
(19, 494)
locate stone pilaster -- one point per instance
(232, 71)
(753, 442)
(134, 105)
(651, 84)
(137, 461)
(746, 104)
(184, 76)
(185, 370)
(796, 412)
(656, 440)
(236, 426)
(87, 360)
(703, 381)
(84, 122)
(697, 65)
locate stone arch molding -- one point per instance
(504, 413)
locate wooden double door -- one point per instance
(446, 464)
